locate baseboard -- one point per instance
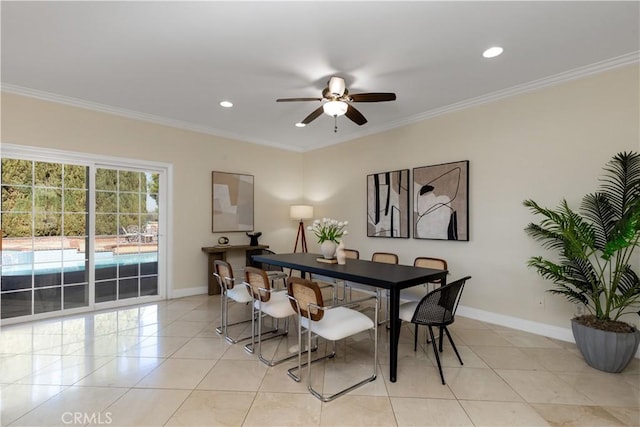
(188, 292)
(557, 332)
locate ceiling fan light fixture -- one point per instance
(300, 125)
(226, 104)
(335, 108)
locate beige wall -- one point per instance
(277, 173)
(545, 145)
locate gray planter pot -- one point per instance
(603, 350)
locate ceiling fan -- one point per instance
(336, 101)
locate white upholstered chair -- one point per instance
(229, 292)
(270, 302)
(332, 323)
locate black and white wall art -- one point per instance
(441, 201)
(388, 204)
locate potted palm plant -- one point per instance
(592, 268)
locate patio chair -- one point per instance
(130, 234)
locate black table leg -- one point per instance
(394, 336)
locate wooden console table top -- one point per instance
(225, 248)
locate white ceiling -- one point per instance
(172, 62)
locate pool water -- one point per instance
(20, 263)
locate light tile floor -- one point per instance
(162, 364)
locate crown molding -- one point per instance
(131, 114)
(577, 73)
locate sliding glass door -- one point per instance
(44, 229)
(76, 235)
(126, 239)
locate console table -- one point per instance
(220, 252)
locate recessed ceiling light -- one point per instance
(492, 52)
(226, 104)
(300, 125)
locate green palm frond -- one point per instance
(598, 210)
(621, 183)
(562, 229)
(547, 238)
(570, 294)
(594, 246)
(629, 283)
(581, 274)
(623, 235)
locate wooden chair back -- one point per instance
(385, 257)
(305, 292)
(352, 254)
(223, 273)
(258, 280)
(429, 262)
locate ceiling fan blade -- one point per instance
(297, 99)
(373, 97)
(314, 115)
(355, 115)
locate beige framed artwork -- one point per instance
(441, 201)
(232, 202)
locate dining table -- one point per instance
(391, 277)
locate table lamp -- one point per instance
(300, 213)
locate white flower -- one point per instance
(328, 229)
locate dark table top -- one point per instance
(381, 275)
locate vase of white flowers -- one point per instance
(328, 231)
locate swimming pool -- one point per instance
(68, 266)
(66, 260)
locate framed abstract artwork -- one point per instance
(388, 204)
(441, 201)
(232, 196)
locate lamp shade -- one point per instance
(300, 212)
(335, 108)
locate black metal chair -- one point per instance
(437, 308)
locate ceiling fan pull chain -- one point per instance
(335, 124)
